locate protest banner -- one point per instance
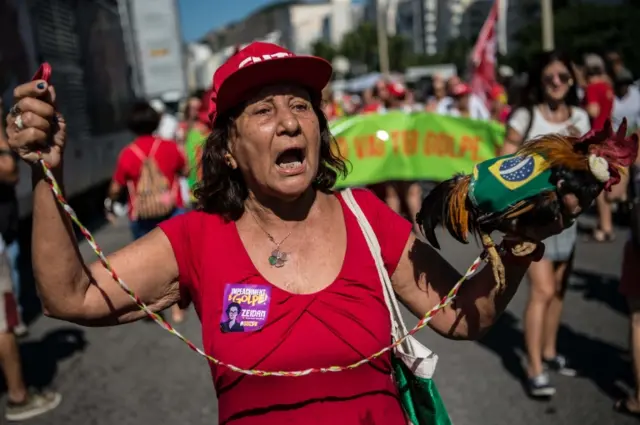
(412, 146)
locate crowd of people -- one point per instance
(561, 94)
(177, 163)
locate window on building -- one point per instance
(326, 29)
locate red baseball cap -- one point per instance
(461, 89)
(260, 64)
(397, 90)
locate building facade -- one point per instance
(295, 25)
(299, 25)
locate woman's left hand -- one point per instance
(538, 233)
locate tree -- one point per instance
(583, 28)
(324, 50)
(361, 46)
(457, 51)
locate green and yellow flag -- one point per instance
(499, 183)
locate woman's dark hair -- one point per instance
(236, 305)
(223, 190)
(197, 93)
(143, 119)
(533, 93)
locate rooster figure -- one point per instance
(525, 189)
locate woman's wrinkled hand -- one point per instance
(34, 125)
(540, 232)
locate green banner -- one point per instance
(193, 145)
(413, 146)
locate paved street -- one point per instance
(139, 374)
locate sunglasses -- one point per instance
(564, 78)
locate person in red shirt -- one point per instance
(376, 100)
(500, 109)
(143, 121)
(598, 100)
(272, 246)
(169, 157)
(387, 96)
(599, 94)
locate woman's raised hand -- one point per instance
(34, 125)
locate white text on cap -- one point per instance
(256, 59)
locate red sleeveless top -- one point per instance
(250, 323)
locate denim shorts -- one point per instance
(139, 228)
(560, 247)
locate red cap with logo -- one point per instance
(260, 64)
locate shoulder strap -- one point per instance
(137, 152)
(398, 328)
(154, 147)
(532, 113)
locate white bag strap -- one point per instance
(398, 328)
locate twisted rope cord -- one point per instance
(446, 300)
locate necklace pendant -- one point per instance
(277, 258)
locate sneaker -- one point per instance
(540, 386)
(559, 365)
(36, 404)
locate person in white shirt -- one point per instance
(627, 101)
(456, 88)
(168, 128)
(463, 103)
(549, 106)
(626, 104)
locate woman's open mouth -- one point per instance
(291, 161)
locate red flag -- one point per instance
(484, 56)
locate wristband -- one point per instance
(108, 205)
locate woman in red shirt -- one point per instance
(276, 266)
(598, 101)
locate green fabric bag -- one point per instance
(419, 396)
(413, 363)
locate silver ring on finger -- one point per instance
(19, 123)
(15, 110)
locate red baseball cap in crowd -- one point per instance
(498, 93)
(397, 90)
(460, 89)
(260, 64)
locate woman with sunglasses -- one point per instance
(549, 105)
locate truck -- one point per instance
(154, 44)
(104, 55)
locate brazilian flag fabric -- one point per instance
(499, 183)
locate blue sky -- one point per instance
(199, 16)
